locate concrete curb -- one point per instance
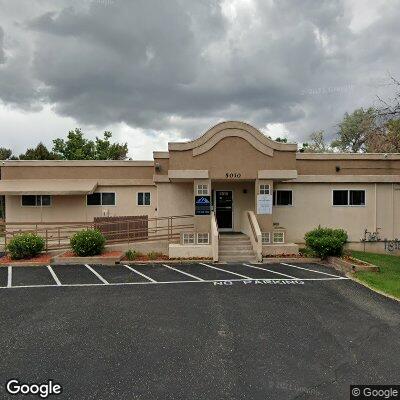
(86, 260)
(133, 262)
(347, 266)
(302, 260)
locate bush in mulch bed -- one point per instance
(25, 245)
(89, 242)
(326, 241)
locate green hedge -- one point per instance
(25, 245)
(326, 241)
(88, 243)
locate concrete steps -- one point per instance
(235, 247)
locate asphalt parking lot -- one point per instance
(195, 331)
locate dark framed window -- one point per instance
(340, 197)
(357, 197)
(282, 198)
(36, 200)
(101, 199)
(348, 197)
(143, 199)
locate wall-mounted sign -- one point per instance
(264, 204)
(202, 205)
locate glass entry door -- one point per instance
(223, 209)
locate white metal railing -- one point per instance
(214, 236)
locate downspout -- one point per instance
(376, 210)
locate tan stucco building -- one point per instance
(231, 179)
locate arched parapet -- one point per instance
(232, 129)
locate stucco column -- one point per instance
(265, 221)
(202, 223)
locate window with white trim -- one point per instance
(348, 197)
(283, 197)
(202, 190)
(279, 237)
(264, 189)
(265, 237)
(101, 199)
(143, 198)
(36, 200)
(187, 238)
(203, 238)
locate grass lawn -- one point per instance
(388, 279)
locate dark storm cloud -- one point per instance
(2, 54)
(186, 64)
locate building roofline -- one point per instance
(348, 156)
(231, 125)
(76, 163)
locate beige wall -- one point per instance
(74, 209)
(312, 206)
(232, 154)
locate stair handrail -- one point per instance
(214, 236)
(255, 237)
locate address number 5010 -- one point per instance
(233, 175)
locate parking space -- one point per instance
(26, 276)
(75, 275)
(157, 273)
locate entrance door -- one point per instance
(223, 209)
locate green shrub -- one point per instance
(132, 255)
(25, 245)
(326, 241)
(88, 242)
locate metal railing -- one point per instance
(57, 235)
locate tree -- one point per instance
(40, 152)
(5, 154)
(77, 147)
(355, 130)
(281, 140)
(318, 144)
(104, 150)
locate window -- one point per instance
(143, 199)
(203, 238)
(101, 199)
(264, 189)
(188, 238)
(279, 237)
(283, 198)
(348, 198)
(357, 197)
(202, 190)
(265, 238)
(36, 201)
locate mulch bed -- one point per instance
(286, 256)
(144, 257)
(106, 254)
(43, 259)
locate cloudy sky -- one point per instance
(157, 71)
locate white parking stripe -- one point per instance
(9, 278)
(173, 282)
(274, 272)
(53, 274)
(224, 270)
(97, 274)
(183, 272)
(144, 276)
(312, 270)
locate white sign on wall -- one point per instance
(264, 204)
